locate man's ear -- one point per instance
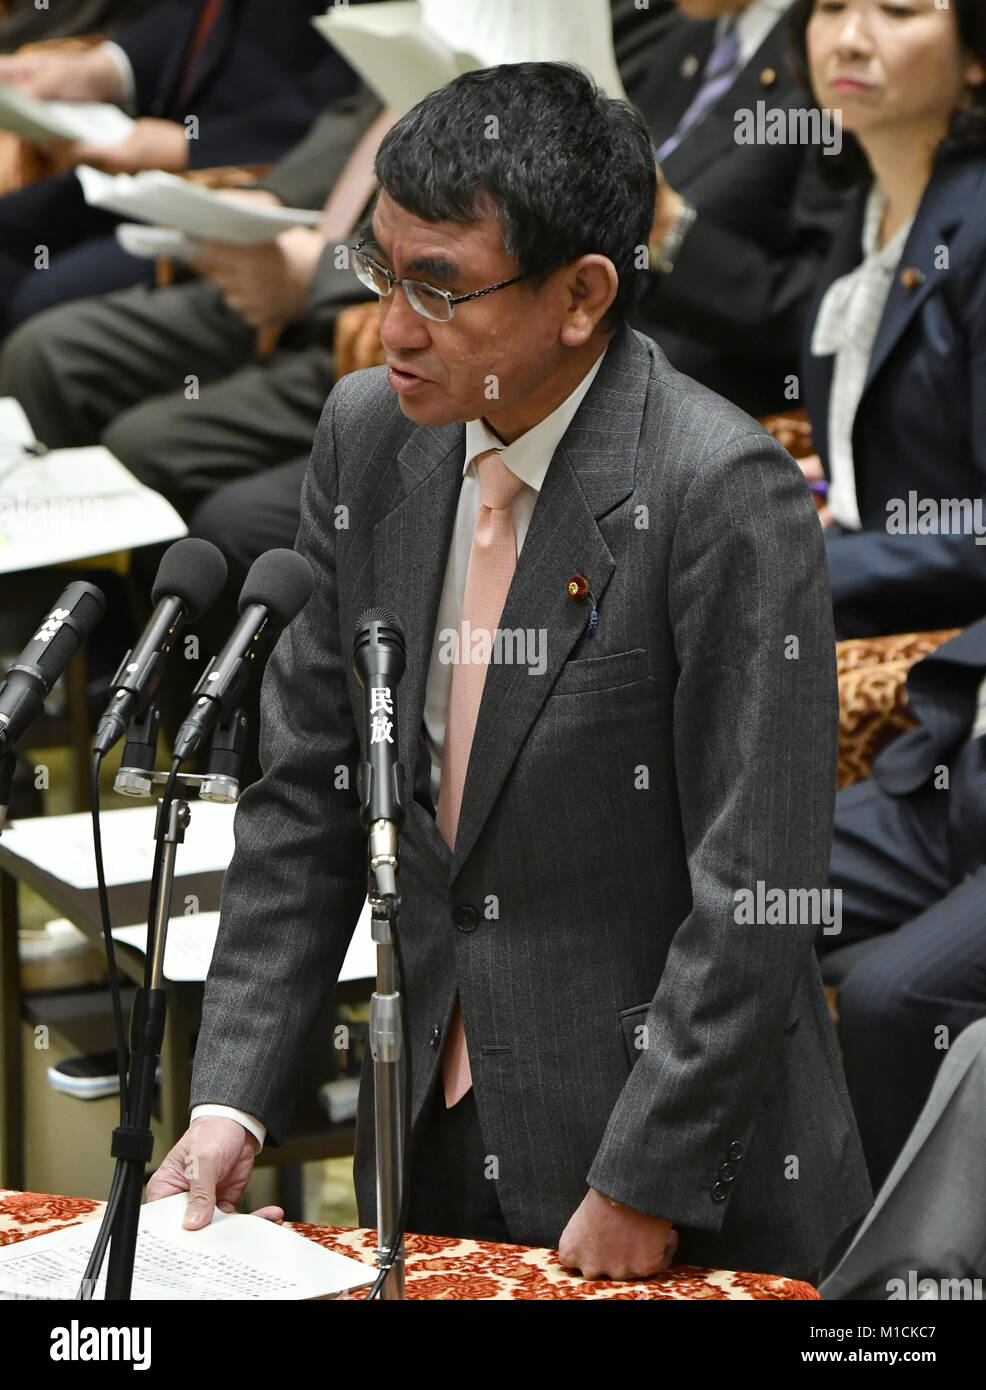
(591, 283)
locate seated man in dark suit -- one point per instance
(925, 1237)
(647, 1063)
(211, 81)
(742, 226)
(169, 378)
(895, 353)
(909, 857)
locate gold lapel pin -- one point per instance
(690, 66)
(578, 587)
(911, 277)
(768, 77)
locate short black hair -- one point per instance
(966, 133)
(568, 170)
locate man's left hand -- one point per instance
(605, 1240)
(266, 284)
(152, 144)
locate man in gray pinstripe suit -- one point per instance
(650, 1065)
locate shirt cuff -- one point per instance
(249, 1122)
(114, 51)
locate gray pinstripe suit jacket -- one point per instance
(624, 1030)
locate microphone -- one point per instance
(379, 661)
(277, 587)
(190, 578)
(29, 681)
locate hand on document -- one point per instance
(212, 1162)
(265, 284)
(152, 144)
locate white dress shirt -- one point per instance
(847, 323)
(753, 25)
(125, 68)
(527, 458)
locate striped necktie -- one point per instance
(720, 70)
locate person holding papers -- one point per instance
(606, 1056)
(211, 82)
(742, 224)
(114, 370)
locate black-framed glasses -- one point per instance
(425, 299)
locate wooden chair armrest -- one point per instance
(872, 672)
(792, 430)
(356, 341)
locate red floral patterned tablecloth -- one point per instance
(445, 1267)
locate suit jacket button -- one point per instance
(436, 1034)
(466, 918)
(727, 1172)
(735, 1151)
(719, 1192)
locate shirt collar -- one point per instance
(529, 456)
(753, 25)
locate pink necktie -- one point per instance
(492, 562)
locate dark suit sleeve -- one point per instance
(150, 42)
(886, 582)
(305, 175)
(755, 733)
(293, 892)
(727, 286)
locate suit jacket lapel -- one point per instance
(715, 134)
(944, 206)
(410, 548)
(591, 473)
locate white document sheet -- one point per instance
(93, 121)
(15, 428)
(73, 503)
(395, 54)
(404, 49)
(192, 940)
(168, 201)
(138, 239)
(62, 845)
(235, 1257)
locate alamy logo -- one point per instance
(781, 907)
(798, 125)
(51, 625)
(936, 516)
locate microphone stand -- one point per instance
(133, 1143)
(387, 1047)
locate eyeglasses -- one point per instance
(424, 299)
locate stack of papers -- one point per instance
(404, 49)
(232, 1258)
(192, 940)
(168, 201)
(35, 119)
(70, 504)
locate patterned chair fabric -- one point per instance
(872, 694)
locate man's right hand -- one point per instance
(65, 75)
(212, 1162)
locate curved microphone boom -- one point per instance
(277, 587)
(190, 577)
(29, 681)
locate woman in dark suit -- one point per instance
(894, 362)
